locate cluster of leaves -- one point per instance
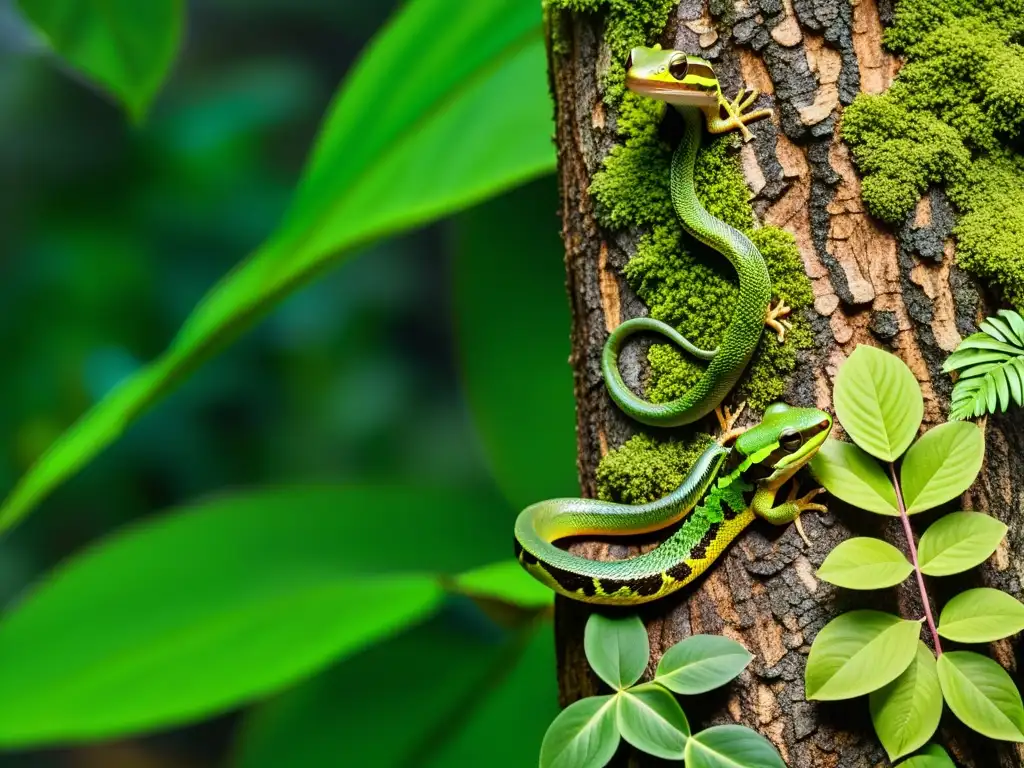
(991, 367)
(952, 117)
(587, 733)
(878, 401)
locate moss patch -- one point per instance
(645, 469)
(628, 23)
(954, 118)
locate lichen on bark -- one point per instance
(953, 118)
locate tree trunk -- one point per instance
(896, 289)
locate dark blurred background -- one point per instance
(111, 233)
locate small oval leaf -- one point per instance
(701, 663)
(959, 541)
(850, 474)
(865, 563)
(932, 756)
(878, 401)
(617, 648)
(906, 712)
(583, 734)
(982, 695)
(941, 465)
(650, 718)
(859, 652)
(981, 616)
(731, 746)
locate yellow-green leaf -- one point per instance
(906, 712)
(941, 465)
(505, 581)
(865, 563)
(982, 695)
(878, 401)
(617, 648)
(850, 474)
(650, 718)
(981, 616)
(959, 541)
(859, 652)
(583, 734)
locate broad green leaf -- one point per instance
(906, 712)
(982, 695)
(617, 648)
(878, 401)
(731, 746)
(226, 602)
(515, 366)
(701, 663)
(381, 165)
(981, 616)
(865, 563)
(503, 724)
(859, 652)
(584, 734)
(941, 465)
(125, 46)
(433, 671)
(959, 541)
(848, 473)
(650, 718)
(932, 756)
(505, 581)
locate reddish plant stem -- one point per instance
(913, 559)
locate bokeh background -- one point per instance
(435, 358)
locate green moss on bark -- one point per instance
(645, 469)
(953, 118)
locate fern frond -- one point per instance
(991, 368)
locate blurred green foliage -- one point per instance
(358, 400)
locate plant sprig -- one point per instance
(991, 368)
(879, 403)
(647, 715)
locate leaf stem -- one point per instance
(913, 559)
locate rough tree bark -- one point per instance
(896, 289)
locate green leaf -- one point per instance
(617, 648)
(584, 734)
(878, 401)
(991, 366)
(981, 616)
(932, 756)
(447, 678)
(380, 166)
(731, 746)
(514, 364)
(505, 581)
(941, 465)
(226, 602)
(124, 46)
(859, 652)
(650, 718)
(906, 712)
(848, 473)
(865, 563)
(982, 695)
(959, 541)
(701, 663)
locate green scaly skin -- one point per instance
(689, 84)
(727, 489)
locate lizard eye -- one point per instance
(791, 440)
(678, 66)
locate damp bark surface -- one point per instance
(898, 289)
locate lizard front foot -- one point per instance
(735, 119)
(727, 423)
(773, 321)
(803, 504)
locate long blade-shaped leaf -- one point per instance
(233, 599)
(468, 116)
